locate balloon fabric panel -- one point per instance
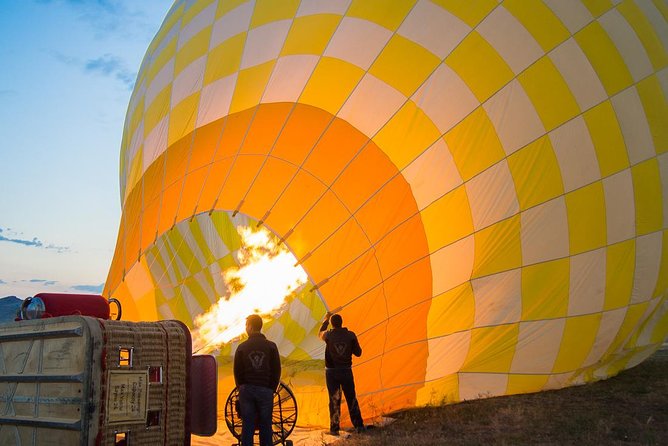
(477, 187)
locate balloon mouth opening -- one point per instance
(262, 276)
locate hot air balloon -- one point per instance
(479, 188)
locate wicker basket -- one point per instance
(83, 381)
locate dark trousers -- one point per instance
(338, 380)
(255, 402)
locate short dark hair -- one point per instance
(255, 322)
(337, 321)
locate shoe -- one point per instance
(335, 433)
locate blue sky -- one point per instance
(68, 67)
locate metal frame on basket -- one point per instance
(283, 417)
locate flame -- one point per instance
(266, 276)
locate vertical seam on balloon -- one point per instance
(291, 111)
(164, 173)
(250, 124)
(187, 166)
(211, 164)
(141, 216)
(222, 131)
(163, 186)
(224, 126)
(192, 136)
(220, 136)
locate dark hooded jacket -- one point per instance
(257, 362)
(341, 345)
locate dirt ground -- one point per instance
(629, 409)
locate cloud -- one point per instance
(115, 20)
(107, 65)
(29, 287)
(112, 66)
(97, 12)
(97, 289)
(34, 242)
(64, 58)
(43, 282)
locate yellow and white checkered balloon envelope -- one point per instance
(478, 187)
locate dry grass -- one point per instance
(629, 409)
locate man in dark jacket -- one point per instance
(341, 345)
(257, 371)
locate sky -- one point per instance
(68, 69)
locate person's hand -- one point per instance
(327, 316)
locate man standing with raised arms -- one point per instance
(341, 344)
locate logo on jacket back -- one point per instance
(340, 348)
(256, 359)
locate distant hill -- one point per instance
(8, 307)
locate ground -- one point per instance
(629, 409)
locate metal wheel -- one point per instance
(283, 417)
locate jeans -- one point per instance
(256, 403)
(337, 380)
